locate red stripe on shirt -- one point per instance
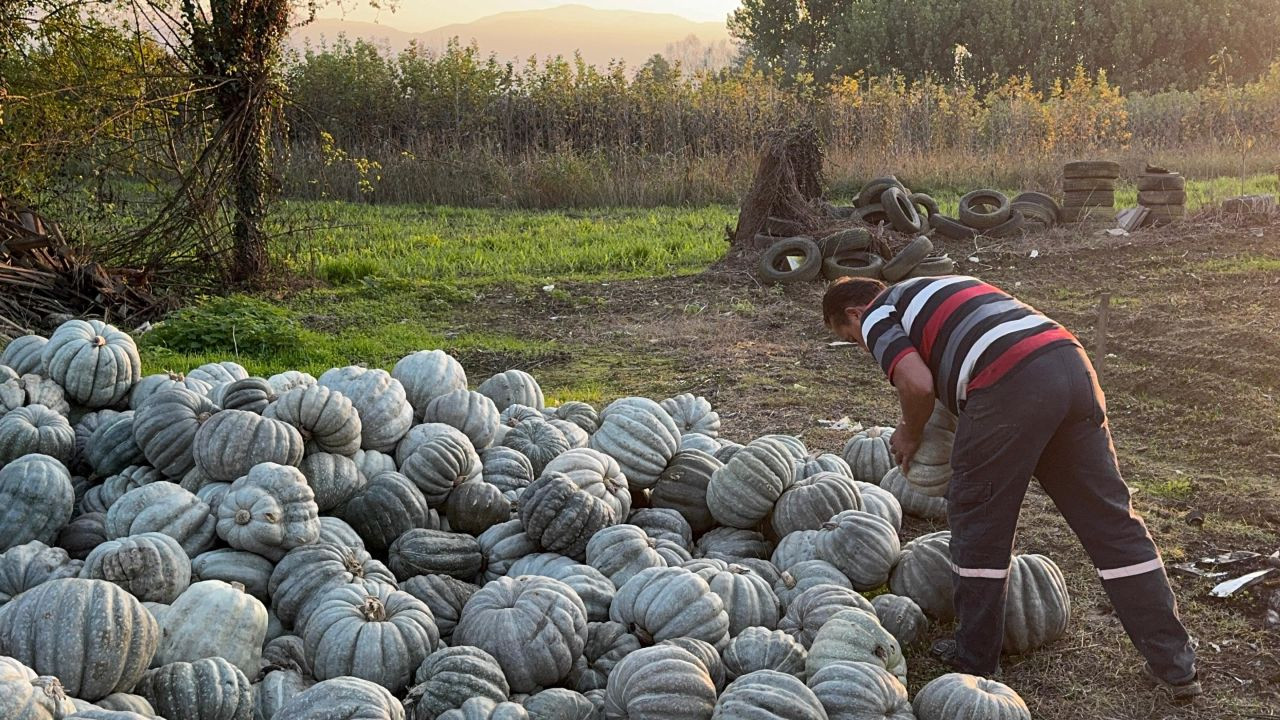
(1010, 358)
(893, 365)
(944, 311)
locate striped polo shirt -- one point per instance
(969, 333)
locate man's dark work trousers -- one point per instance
(1048, 418)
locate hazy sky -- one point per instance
(418, 15)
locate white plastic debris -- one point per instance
(1035, 253)
(974, 259)
(548, 288)
(843, 424)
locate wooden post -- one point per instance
(1100, 338)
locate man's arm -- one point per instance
(914, 383)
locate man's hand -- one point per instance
(904, 444)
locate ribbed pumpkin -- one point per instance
(930, 470)
(486, 709)
(289, 380)
(820, 463)
(152, 384)
(804, 575)
(769, 694)
(474, 507)
(763, 568)
(761, 648)
(24, 354)
(95, 363)
(956, 696)
(443, 595)
(1037, 608)
(558, 704)
(326, 419)
(84, 533)
(437, 458)
(506, 469)
(516, 413)
(468, 411)
(423, 552)
(208, 689)
(578, 413)
(667, 602)
(112, 448)
(594, 589)
(502, 545)
(577, 437)
(337, 530)
(641, 436)
(127, 702)
(233, 441)
(706, 653)
(748, 598)
(607, 644)
(100, 498)
(380, 635)
(303, 575)
(84, 428)
(379, 399)
(34, 698)
(856, 635)
(698, 441)
(800, 546)
(513, 387)
(389, 506)
(743, 492)
(36, 500)
(923, 573)
(733, 544)
(29, 389)
(863, 546)
(449, 677)
(214, 619)
(662, 524)
(537, 440)
(93, 636)
(682, 486)
(596, 474)
(219, 373)
(913, 502)
(275, 689)
(165, 508)
(880, 502)
(269, 511)
(812, 501)
(35, 429)
(427, 375)
(869, 455)
(621, 551)
(345, 698)
(153, 567)
(235, 566)
(813, 608)
(372, 462)
(23, 567)
(165, 428)
(535, 627)
(333, 479)
(692, 414)
(860, 691)
(660, 683)
(252, 394)
(561, 517)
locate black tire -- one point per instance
(844, 212)
(1091, 169)
(933, 267)
(927, 202)
(972, 215)
(1013, 226)
(1078, 184)
(951, 228)
(1162, 197)
(901, 211)
(1041, 199)
(856, 263)
(844, 241)
(1161, 181)
(783, 227)
(773, 267)
(1089, 198)
(871, 192)
(1035, 213)
(873, 214)
(1088, 214)
(907, 259)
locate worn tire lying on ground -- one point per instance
(873, 214)
(930, 206)
(1013, 226)
(984, 209)
(844, 241)
(774, 267)
(952, 228)
(901, 211)
(857, 263)
(933, 267)
(871, 192)
(907, 259)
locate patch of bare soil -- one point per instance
(1193, 382)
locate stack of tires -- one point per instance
(991, 213)
(848, 253)
(1164, 195)
(886, 201)
(1089, 191)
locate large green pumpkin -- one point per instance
(35, 429)
(378, 398)
(913, 502)
(112, 448)
(95, 363)
(326, 419)
(923, 573)
(36, 500)
(660, 683)
(389, 506)
(468, 411)
(269, 511)
(152, 384)
(733, 544)
(219, 373)
(743, 492)
(333, 479)
(252, 394)
(502, 545)
(1037, 607)
(862, 545)
(561, 517)
(812, 609)
(305, 573)
(23, 567)
(693, 414)
(594, 589)
(804, 575)
(24, 354)
(424, 552)
(621, 551)
(597, 474)
(771, 695)
(93, 636)
(812, 501)
(445, 596)
(379, 635)
(214, 619)
(667, 602)
(956, 696)
(860, 691)
(235, 566)
(607, 644)
(578, 413)
(437, 458)
(474, 507)
(869, 455)
(902, 617)
(427, 375)
(748, 598)
(165, 508)
(538, 440)
(345, 698)
(856, 635)
(232, 442)
(153, 567)
(449, 677)
(208, 689)
(165, 428)
(682, 486)
(558, 704)
(760, 648)
(641, 436)
(880, 502)
(513, 387)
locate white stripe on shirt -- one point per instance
(984, 342)
(878, 315)
(918, 302)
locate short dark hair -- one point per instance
(848, 292)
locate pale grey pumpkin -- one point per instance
(252, 571)
(35, 429)
(743, 492)
(577, 437)
(207, 689)
(93, 636)
(856, 635)
(252, 394)
(468, 411)
(424, 552)
(913, 502)
(480, 708)
(449, 677)
(698, 441)
(641, 436)
(153, 567)
(165, 428)
(388, 506)
(380, 635)
(862, 545)
(1037, 607)
(379, 399)
(727, 450)
(127, 702)
(660, 683)
(516, 413)
(23, 567)
(31, 389)
(748, 598)
(337, 530)
(595, 473)
(956, 696)
(37, 698)
(662, 524)
(333, 479)
(869, 455)
(860, 691)
(930, 470)
(166, 508)
(878, 501)
(764, 569)
(506, 469)
(302, 576)
(666, 602)
(326, 419)
(36, 500)
(812, 501)
(693, 414)
(231, 442)
(502, 545)
(580, 414)
(95, 363)
(513, 387)
(275, 689)
(152, 384)
(800, 546)
(214, 619)
(682, 486)
(290, 380)
(286, 652)
(372, 462)
(804, 575)
(219, 373)
(269, 511)
(607, 644)
(345, 698)
(621, 551)
(923, 573)
(769, 694)
(593, 587)
(902, 617)
(437, 457)
(537, 440)
(560, 516)
(809, 611)
(820, 463)
(733, 544)
(426, 375)
(25, 354)
(762, 648)
(112, 448)
(443, 595)
(558, 704)
(535, 627)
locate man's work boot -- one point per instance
(1183, 692)
(944, 651)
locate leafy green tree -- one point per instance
(794, 36)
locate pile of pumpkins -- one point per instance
(372, 545)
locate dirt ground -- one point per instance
(1193, 384)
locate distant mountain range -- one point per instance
(600, 35)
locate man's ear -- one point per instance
(854, 315)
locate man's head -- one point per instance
(845, 302)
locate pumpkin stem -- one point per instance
(243, 516)
(98, 341)
(237, 585)
(789, 580)
(829, 526)
(353, 564)
(373, 609)
(643, 635)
